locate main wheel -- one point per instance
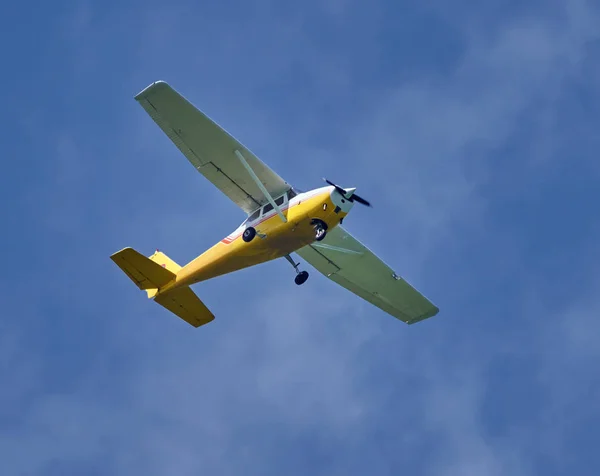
(301, 277)
(320, 233)
(249, 234)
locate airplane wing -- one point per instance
(210, 148)
(345, 260)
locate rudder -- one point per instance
(166, 262)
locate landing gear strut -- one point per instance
(249, 234)
(301, 276)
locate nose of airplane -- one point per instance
(341, 201)
(347, 194)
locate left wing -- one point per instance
(345, 260)
(209, 148)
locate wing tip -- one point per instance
(156, 85)
(426, 315)
(199, 322)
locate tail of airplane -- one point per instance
(153, 273)
(166, 262)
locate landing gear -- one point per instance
(320, 233)
(320, 229)
(249, 234)
(301, 276)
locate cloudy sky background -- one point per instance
(472, 129)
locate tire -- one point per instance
(249, 234)
(320, 233)
(301, 277)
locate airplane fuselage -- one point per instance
(274, 237)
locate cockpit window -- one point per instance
(254, 215)
(291, 193)
(279, 201)
(267, 208)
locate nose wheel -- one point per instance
(320, 233)
(301, 276)
(320, 229)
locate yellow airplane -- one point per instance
(281, 220)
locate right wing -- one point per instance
(345, 260)
(209, 148)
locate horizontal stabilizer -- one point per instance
(185, 304)
(144, 272)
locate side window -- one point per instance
(254, 216)
(267, 208)
(279, 201)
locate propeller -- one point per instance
(349, 194)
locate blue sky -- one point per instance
(472, 129)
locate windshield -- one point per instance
(253, 216)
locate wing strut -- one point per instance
(260, 185)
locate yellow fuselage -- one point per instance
(275, 239)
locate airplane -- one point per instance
(281, 220)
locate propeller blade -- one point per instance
(352, 198)
(337, 187)
(359, 199)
